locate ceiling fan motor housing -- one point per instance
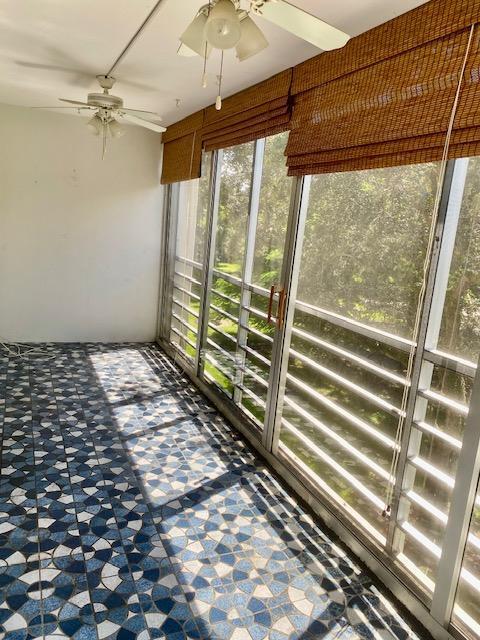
(105, 101)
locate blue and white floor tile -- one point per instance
(129, 510)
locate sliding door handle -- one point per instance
(270, 304)
(282, 296)
(282, 301)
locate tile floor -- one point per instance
(129, 509)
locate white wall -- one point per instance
(79, 237)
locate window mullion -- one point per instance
(171, 219)
(458, 524)
(446, 253)
(290, 272)
(468, 465)
(421, 378)
(245, 294)
(209, 259)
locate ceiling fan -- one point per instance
(223, 24)
(108, 110)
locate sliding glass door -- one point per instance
(244, 287)
(189, 202)
(229, 240)
(297, 301)
(360, 271)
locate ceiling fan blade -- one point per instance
(134, 111)
(304, 25)
(83, 104)
(77, 77)
(141, 122)
(57, 107)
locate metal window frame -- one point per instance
(423, 370)
(468, 466)
(402, 344)
(427, 356)
(248, 261)
(168, 266)
(460, 513)
(289, 281)
(163, 284)
(244, 283)
(209, 258)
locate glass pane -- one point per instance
(361, 268)
(235, 186)
(193, 203)
(364, 244)
(435, 444)
(271, 228)
(460, 330)
(220, 352)
(272, 214)
(222, 331)
(467, 604)
(257, 357)
(239, 348)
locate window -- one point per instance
(364, 245)
(272, 214)
(460, 331)
(360, 272)
(250, 233)
(266, 271)
(442, 401)
(192, 211)
(467, 605)
(223, 317)
(325, 387)
(435, 444)
(460, 339)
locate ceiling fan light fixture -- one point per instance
(95, 125)
(222, 27)
(193, 38)
(115, 129)
(252, 40)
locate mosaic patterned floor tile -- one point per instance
(130, 510)
(21, 601)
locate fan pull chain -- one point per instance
(218, 102)
(421, 297)
(104, 147)
(204, 77)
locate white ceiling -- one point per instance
(54, 48)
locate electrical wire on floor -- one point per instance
(23, 351)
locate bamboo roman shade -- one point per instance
(256, 112)
(386, 98)
(182, 151)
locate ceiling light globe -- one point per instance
(252, 41)
(193, 38)
(222, 28)
(95, 125)
(116, 131)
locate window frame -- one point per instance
(438, 614)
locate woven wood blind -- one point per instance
(386, 98)
(256, 112)
(182, 151)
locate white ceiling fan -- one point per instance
(223, 24)
(108, 110)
